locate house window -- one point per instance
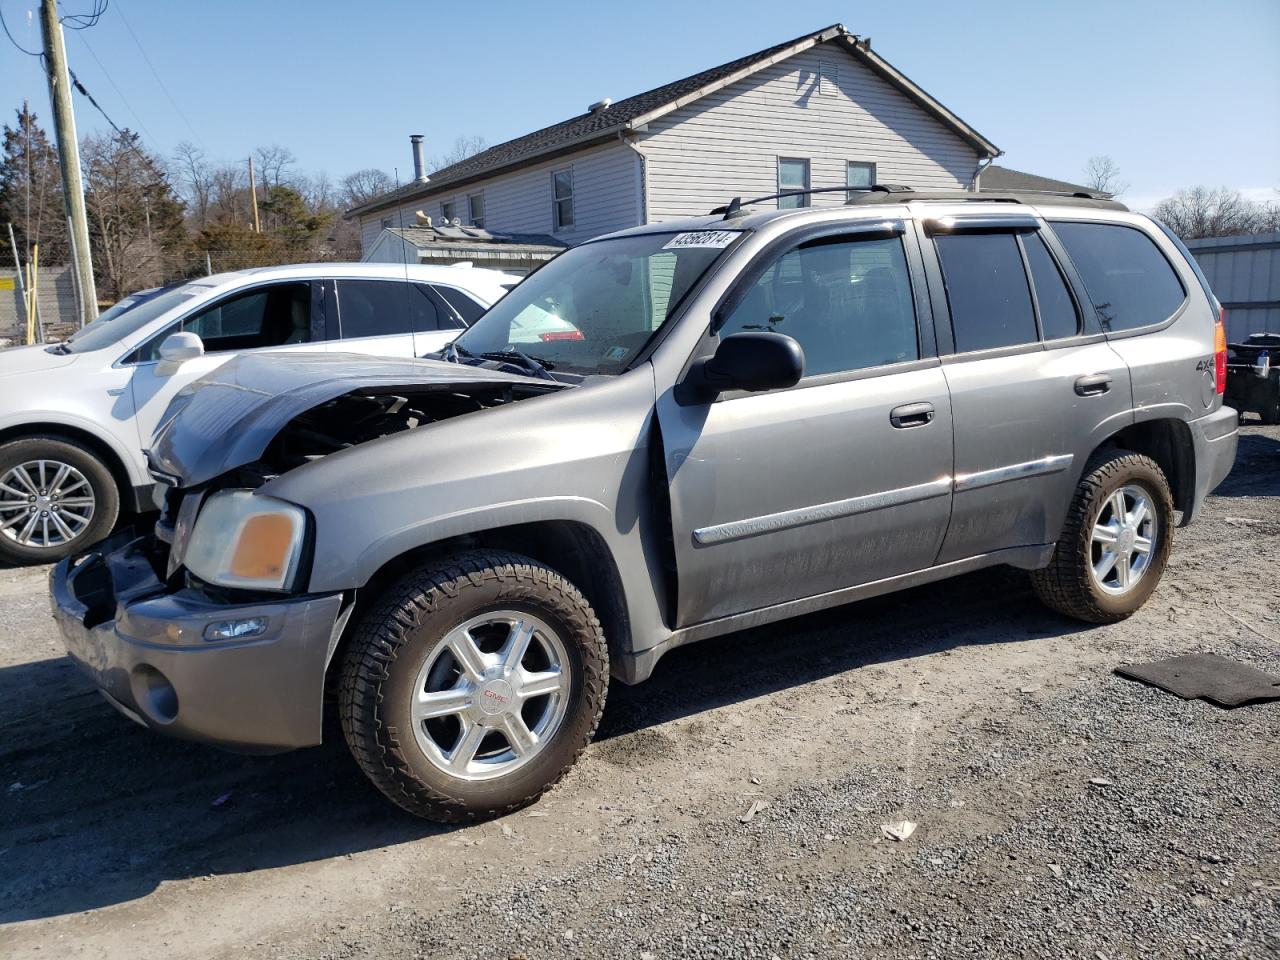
(475, 209)
(859, 173)
(562, 193)
(828, 78)
(448, 211)
(793, 174)
(386, 222)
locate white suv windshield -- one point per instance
(108, 330)
(595, 307)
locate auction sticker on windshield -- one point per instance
(702, 238)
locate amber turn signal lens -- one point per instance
(264, 547)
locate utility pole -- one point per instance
(253, 196)
(55, 55)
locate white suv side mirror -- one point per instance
(177, 348)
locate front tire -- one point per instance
(56, 498)
(473, 685)
(1115, 542)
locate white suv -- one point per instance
(75, 416)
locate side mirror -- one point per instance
(751, 361)
(1262, 365)
(177, 348)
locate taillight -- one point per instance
(568, 335)
(1220, 351)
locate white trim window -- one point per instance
(859, 173)
(475, 209)
(562, 198)
(793, 174)
(448, 212)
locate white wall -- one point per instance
(605, 188)
(727, 144)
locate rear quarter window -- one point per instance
(1129, 280)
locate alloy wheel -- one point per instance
(490, 697)
(45, 503)
(1123, 540)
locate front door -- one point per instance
(841, 480)
(1034, 388)
(269, 317)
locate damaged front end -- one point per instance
(204, 627)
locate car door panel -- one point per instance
(1022, 434)
(1027, 412)
(839, 481)
(795, 493)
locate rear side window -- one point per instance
(987, 291)
(1058, 316)
(468, 309)
(1129, 280)
(377, 308)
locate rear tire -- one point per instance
(56, 498)
(1270, 412)
(440, 700)
(1099, 572)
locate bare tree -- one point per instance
(362, 186)
(135, 218)
(194, 175)
(1214, 212)
(1103, 175)
(462, 148)
(275, 165)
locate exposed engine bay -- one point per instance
(370, 414)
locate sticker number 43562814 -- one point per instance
(701, 238)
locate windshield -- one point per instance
(113, 327)
(595, 307)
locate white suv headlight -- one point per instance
(242, 539)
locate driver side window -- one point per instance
(847, 301)
(270, 316)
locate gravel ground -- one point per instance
(1061, 810)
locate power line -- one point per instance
(115, 86)
(155, 73)
(29, 53)
(83, 21)
(124, 135)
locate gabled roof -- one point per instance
(634, 112)
(1002, 180)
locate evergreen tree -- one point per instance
(31, 191)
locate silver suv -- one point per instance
(727, 421)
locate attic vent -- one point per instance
(600, 105)
(828, 78)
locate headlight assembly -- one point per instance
(245, 540)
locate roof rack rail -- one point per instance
(1077, 199)
(897, 193)
(732, 208)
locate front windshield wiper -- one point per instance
(453, 352)
(539, 368)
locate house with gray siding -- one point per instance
(821, 110)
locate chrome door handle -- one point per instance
(911, 415)
(1093, 385)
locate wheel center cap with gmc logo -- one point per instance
(495, 698)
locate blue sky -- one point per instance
(1178, 93)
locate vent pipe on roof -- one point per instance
(419, 160)
(600, 105)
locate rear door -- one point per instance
(378, 317)
(1034, 385)
(841, 480)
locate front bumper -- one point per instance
(1215, 437)
(143, 645)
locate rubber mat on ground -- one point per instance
(1207, 676)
